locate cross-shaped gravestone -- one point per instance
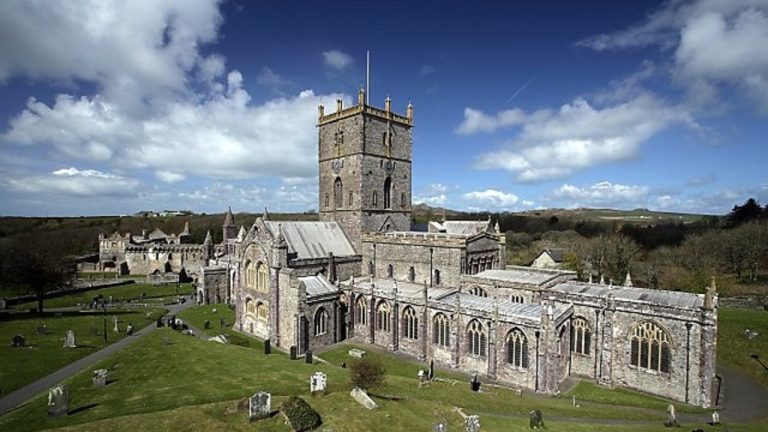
(259, 406)
(317, 382)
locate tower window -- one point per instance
(374, 199)
(402, 199)
(389, 270)
(387, 192)
(349, 202)
(411, 274)
(338, 190)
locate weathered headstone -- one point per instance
(474, 382)
(308, 357)
(129, 330)
(472, 424)
(431, 371)
(207, 325)
(99, 378)
(715, 418)
(536, 419)
(18, 341)
(42, 330)
(2, 303)
(293, 352)
(222, 339)
(672, 419)
(259, 406)
(440, 427)
(358, 353)
(58, 401)
(116, 328)
(159, 322)
(69, 340)
(317, 382)
(362, 398)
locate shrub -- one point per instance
(300, 415)
(366, 373)
(238, 340)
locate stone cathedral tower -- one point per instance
(365, 168)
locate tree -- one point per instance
(750, 211)
(32, 268)
(367, 373)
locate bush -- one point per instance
(366, 373)
(300, 415)
(238, 340)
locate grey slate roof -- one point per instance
(317, 285)
(466, 228)
(410, 290)
(313, 239)
(521, 275)
(507, 309)
(645, 295)
(557, 255)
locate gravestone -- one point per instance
(259, 406)
(99, 378)
(715, 418)
(672, 419)
(308, 357)
(42, 330)
(440, 427)
(267, 347)
(472, 424)
(2, 303)
(69, 340)
(58, 401)
(362, 398)
(317, 382)
(431, 371)
(474, 382)
(129, 330)
(159, 322)
(357, 353)
(293, 352)
(18, 341)
(536, 419)
(116, 328)
(207, 325)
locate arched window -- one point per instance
(262, 277)
(410, 323)
(387, 192)
(440, 330)
(375, 199)
(261, 311)
(476, 338)
(649, 347)
(516, 298)
(250, 307)
(361, 311)
(477, 291)
(517, 349)
(250, 275)
(370, 268)
(389, 270)
(349, 203)
(402, 200)
(580, 336)
(383, 316)
(338, 193)
(436, 277)
(321, 317)
(411, 274)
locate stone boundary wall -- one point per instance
(10, 301)
(745, 301)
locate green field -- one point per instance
(734, 349)
(44, 353)
(159, 294)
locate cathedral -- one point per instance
(362, 274)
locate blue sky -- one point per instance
(110, 107)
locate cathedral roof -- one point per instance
(523, 275)
(507, 309)
(632, 294)
(317, 285)
(313, 239)
(467, 228)
(157, 234)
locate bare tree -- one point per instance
(32, 268)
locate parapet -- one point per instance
(363, 108)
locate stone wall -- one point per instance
(164, 258)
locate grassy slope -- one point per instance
(133, 292)
(45, 354)
(734, 349)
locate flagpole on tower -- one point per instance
(367, 77)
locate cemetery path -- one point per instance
(24, 394)
(743, 398)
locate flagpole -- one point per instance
(367, 77)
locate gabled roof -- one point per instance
(557, 255)
(642, 295)
(157, 234)
(467, 228)
(313, 239)
(317, 285)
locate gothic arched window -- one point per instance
(410, 323)
(476, 338)
(649, 347)
(383, 316)
(387, 192)
(262, 277)
(338, 193)
(390, 272)
(436, 277)
(261, 311)
(580, 336)
(361, 311)
(517, 349)
(411, 274)
(477, 291)
(440, 330)
(321, 318)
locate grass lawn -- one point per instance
(198, 315)
(734, 349)
(45, 354)
(154, 294)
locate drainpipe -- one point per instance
(430, 267)
(687, 357)
(536, 388)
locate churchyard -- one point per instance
(138, 292)
(169, 381)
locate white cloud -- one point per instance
(476, 121)
(714, 44)
(268, 77)
(528, 203)
(491, 198)
(169, 177)
(602, 193)
(74, 182)
(337, 60)
(434, 194)
(554, 144)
